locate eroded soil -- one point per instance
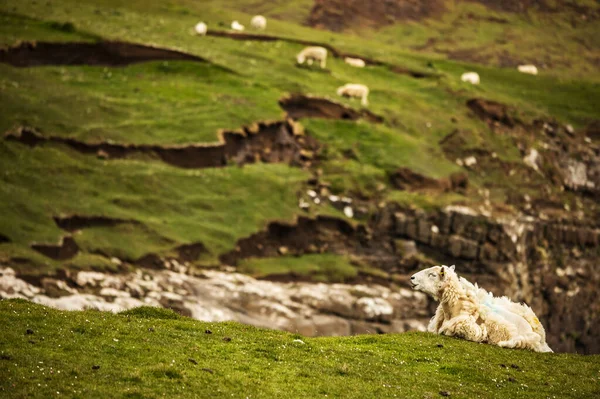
(302, 106)
(105, 53)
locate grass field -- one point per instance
(147, 353)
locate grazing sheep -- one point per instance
(469, 312)
(310, 54)
(530, 69)
(235, 25)
(201, 28)
(470, 77)
(355, 62)
(354, 90)
(258, 22)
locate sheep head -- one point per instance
(432, 280)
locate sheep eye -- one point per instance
(431, 274)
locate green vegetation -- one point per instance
(151, 353)
(167, 103)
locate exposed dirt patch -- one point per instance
(519, 6)
(65, 249)
(339, 15)
(279, 141)
(191, 252)
(407, 179)
(320, 235)
(492, 112)
(77, 222)
(301, 106)
(106, 53)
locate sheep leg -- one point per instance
(463, 327)
(527, 341)
(364, 101)
(309, 61)
(323, 63)
(436, 321)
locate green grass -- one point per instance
(151, 353)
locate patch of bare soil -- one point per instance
(77, 222)
(519, 6)
(191, 252)
(279, 141)
(339, 15)
(407, 179)
(65, 249)
(302, 106)
(320, 235)
(108, 53)
(492, 112)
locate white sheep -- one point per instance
(201, 28)
(354, 90)
(355, 62)
(530, 69)
(469, 312)
(235, 25)
(310, 54)
(470, 77)
(258, 22)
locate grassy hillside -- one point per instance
(183, 102)
(151, 353)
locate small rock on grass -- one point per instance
(29, 331)
(207, 332)
(444, 393)
(95, 367)
(227, 339)
(192, 361)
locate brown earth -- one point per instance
(407, 179)
(339, 15)
(29, 54)
(302, 106)
(65, 249)
(279, 141)
(78, 222)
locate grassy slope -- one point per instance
(151, 353)
(181, 102)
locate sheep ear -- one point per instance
(443, 272)
(452, 267)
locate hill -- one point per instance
(149, 353)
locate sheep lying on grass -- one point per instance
(470, 77)
(310, 54)
(355, 62)
(530, 69)
(469, 312)
(236, 26)
(258, 22)
(354, 90)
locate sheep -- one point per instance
(354, 90)
(201, 28)
(530, 69)
(310, 54)
(470, 77)
(235, 25)
(355, 62)
(469, 312)
(258, 22)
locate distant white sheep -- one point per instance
(201, 28)
(530, 69)
(355, 62)
(258, 22)
(310, 54)
(354, 90)
(470, 77)
(235, 25)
